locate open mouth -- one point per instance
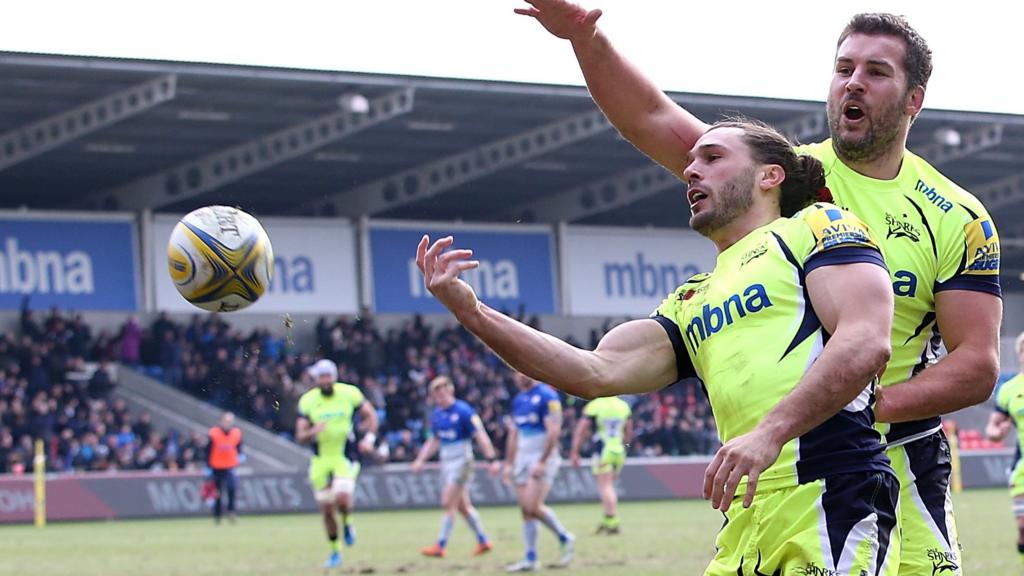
(694, 195)
(853, 112)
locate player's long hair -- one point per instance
(805, 177)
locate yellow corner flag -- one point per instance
(39, 470)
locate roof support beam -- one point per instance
(437, 177)
(29, 141)
(629, 187)
(972, 142)
(1001, 193)
(210, 172)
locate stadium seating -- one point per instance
(47, 389)
(55, 384)
(260, 377)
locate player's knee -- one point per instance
(531, 511)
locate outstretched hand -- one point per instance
(441, 274)
(563, 19)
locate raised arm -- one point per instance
(854, 303)
(641, 112)
(969, 324)
(634, 357)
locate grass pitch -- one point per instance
(658, 538)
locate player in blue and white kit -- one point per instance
(454, 426)
(532, 461)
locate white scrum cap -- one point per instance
(324, 367)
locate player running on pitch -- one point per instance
(326, 415)
(454, 426)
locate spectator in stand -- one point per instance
(130, 342)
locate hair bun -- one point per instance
(824, 194)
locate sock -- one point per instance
(610, 520)
(547, 516)
(1020, 550)
(473, 519)
(446, 530)
(530, 538)
(346, 518)
(334, 542)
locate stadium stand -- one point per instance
(260, 377)
(56, 381)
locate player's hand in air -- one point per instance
(441, 274)
(747, 455)
(417, 466)
(563, 19)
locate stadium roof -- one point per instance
(86, 132)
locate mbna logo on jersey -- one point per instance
(713, 319)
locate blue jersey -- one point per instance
(531, 407)
(456, 423)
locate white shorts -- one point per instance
(339, 487)
(523, 463)
(457, 471)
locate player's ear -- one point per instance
(770, 176)
(915, 102)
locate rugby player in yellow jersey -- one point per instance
(609, 418)
(1009, 412)
(787, 333)
(940, 244)
(325, 420)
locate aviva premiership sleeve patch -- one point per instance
(982, 258)
(834, 227)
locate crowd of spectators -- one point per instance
(260, 376)
(56, 379)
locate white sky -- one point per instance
(774, 49)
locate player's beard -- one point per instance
(875, 142)
(730, 202)
(328, 391)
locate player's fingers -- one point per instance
(731, 484)
(709, 474)
(439, 246)
(719, 481)
(531, 12)
(421, 251)
(430, 258)
(445, 259)
(751, 487)
(453, 270)
(591, 18)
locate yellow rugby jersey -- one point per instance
(337, 410)
(935, 236)
(1010, 401)
(610, 416)
(749, 332)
